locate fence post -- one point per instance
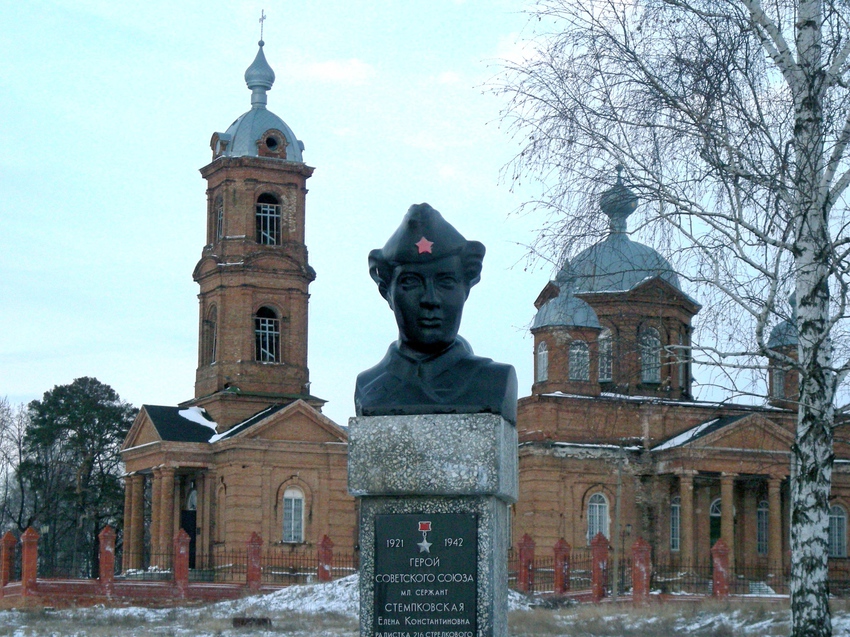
(326, 557)
(180, 562)
(254, 571)
(599, 550)
(641, 571)
(562, 566)
(29, 561)
(525, 576)
(7, 559)
(720, 574)
(106, 570)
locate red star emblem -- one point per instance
(424, 245)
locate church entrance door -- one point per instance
(189, 523)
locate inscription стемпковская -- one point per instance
(426, 582)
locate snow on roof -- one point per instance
(697, 432)
(199, 416)
(663, 401)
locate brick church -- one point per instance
(611, 439)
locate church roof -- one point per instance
(181, 424)
(249, 422)
(695, 433)
(618, 264)
(565, 309)
(244, 135)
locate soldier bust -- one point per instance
(425, 272)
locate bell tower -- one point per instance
(253, 272)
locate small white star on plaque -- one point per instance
(424, 545)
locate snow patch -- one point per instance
(198, 415)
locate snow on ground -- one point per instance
(331, 610)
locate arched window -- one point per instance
(714, 510)
(715, 522)
(579, 361)
(293, 515)
(650, 355)
(837, 546)
(675, 523)
(219, 217)
(268, 220)
(209, 341)
(267, 335)
(762, 527)
(684, 356)
(606, 357)
(778, 382)
(542, 362)
(597, 516)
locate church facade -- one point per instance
(251, 452)
(611, 440)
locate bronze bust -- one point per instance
(425, 272)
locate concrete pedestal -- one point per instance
(434, 491)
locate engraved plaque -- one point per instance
(426, 575)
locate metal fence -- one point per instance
(149, 567)
(673, 579)
(581, 563)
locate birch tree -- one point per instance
(732, 120)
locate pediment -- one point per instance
(142, 431)
(298, 422)
(750, 432)
(658, 288)
(207, 265)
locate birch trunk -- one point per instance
(812, 454)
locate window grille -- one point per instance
(675, 523)
(778, 382)
(579, 361)
(597, 516)
(650, 356)
(267, 335)
(606, 357)
(268, 220)
(762, 527)
(542, 362)
(837, 546)
(293, 515)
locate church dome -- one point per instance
(259, 132)
(618, 264)
(785, 333)
(565, 309)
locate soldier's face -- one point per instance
(427, 299)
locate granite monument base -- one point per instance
(434, 494)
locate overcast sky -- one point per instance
(107, 109)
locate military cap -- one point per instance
(425, 236)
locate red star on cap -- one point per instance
(424, 245)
